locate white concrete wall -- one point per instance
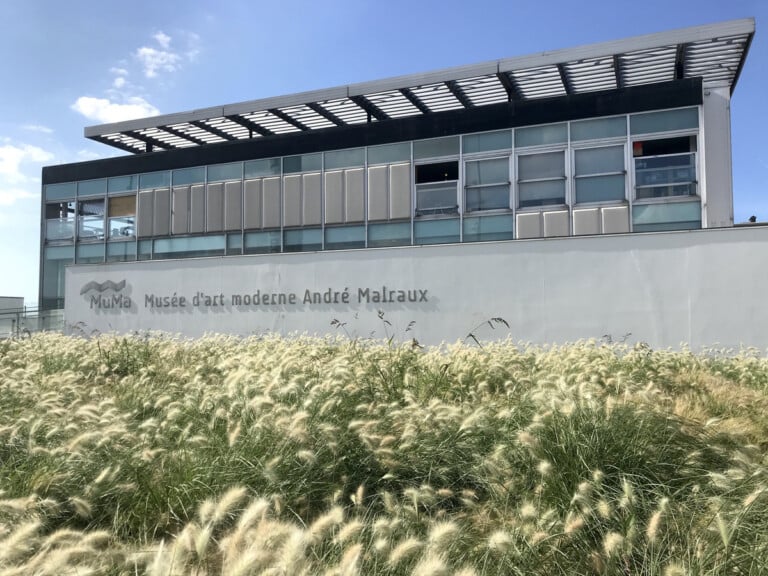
(705, 288)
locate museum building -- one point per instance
(617, 138)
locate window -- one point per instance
(154, 180)
(599, 175)
(122, 217)
(501, 140)
(303, 240)
(389, 153)
(186, 176)
(344, 237)
(665, 167)
(436, 231)
(60, 221)
(120, 184)
(484, 228)
(60, 191)
(599, 128)
(344, 158)
(541, 179)
(303, 163)
(486, 184)
(389, 234)
(541, 135)
(189, 247)
(92, 188)
(263, 167)
(681, 119)
(221, 172)
(436, 186)
(448, 146)
(262, 242)
(666, 216)
(90, 219)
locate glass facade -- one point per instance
(466, 188)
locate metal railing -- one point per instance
(20, 322)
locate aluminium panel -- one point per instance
(253, 204)
(354, 184)
(271, 210)
(334, 197)
(197, 209)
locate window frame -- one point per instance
(593, 145)
(566, 179)
(480, 157)
(696, 197)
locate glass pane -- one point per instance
(263, 167)
(234, 244)
(123, 184)
(599, 128)
(155, 180)
(303, 163)
(389, 153)
(60, 191)
(438, 196)
(189, 247)
(92, 187)
(54, 261)
(447, 146)
(666, 191)
(219, 172)
(539, 135)
(390, 234)
(122, 227)
(542, 193)
(347, 237)
(662, 170)
(60, 220)
(436, 231)
(122, 206)
(600, 188)
(536, 166)
(90, 253)
(344, 158)
(599, 160)
(262, 242)
(187, 176)
(487, 172)
(667, 212)
(488, 228)
(91, 219)
(121, 251)
(487, 198)
(681, 119)
(145, 249)
(304, 240)
(500, 140)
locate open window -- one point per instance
(436, 188)
(90, 219)
(665, 167)
(122, 217)
(60, 220)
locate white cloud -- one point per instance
(13, 157)
(9, 196)
(118, 71)
(37, 128)
(156, 60)
(88, 155)
(119, 82)
(106, 111)
(163, 39)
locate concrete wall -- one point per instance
(705, 288)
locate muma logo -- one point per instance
(107, 295)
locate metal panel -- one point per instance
(214, 214)
(556, 223)
(161, 219)
(586, 221)
(233, 205)
(253, 200)
(615, 219)
(312, 199)
(144, 214)
(292, 200)
(334, 197)
(717, 181)
(354, 184)
(271, 202)
(529, 225)
(400, 191)
(180, 210)
(377, 193)
(197, 209)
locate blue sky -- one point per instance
(73, 64)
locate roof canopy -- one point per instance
(714, 52)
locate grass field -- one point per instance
(150, 455)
